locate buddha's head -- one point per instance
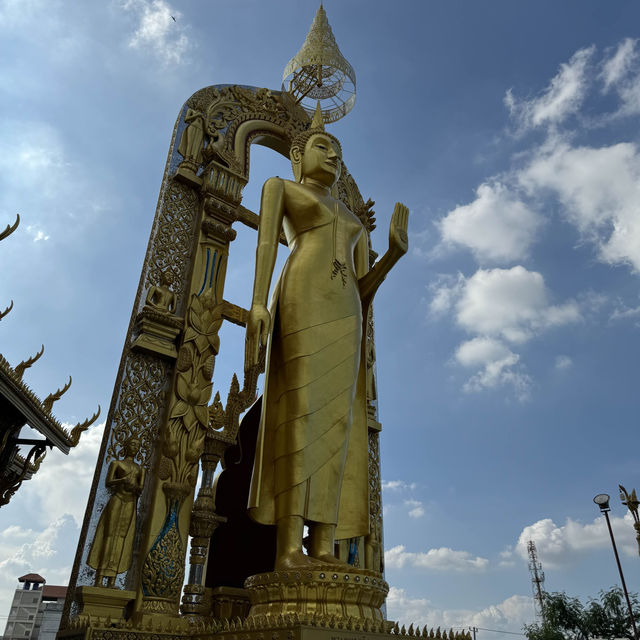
(131, 447)
(316, 154)
(166, 278)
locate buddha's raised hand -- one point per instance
(398, 238)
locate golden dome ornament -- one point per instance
(319, 73)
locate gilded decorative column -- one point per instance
(184, 432)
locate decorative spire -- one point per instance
(319, 72)
(4, 313)
(10, 228)
(25, 364)
(318, 120)
(47, 403)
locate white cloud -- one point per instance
(397, 485)
(509, 615)
(48, 552)
(416, 508)
(563, 362)
(510, 303)
(617, 66)
(562, 97)
(620, 71)
(501, 307)
(65, 190)
(497, 226)
(61, 486)
(53, 502)
(442, 559)
(446, 290)
(157, 30)
(599, 189)
(496, 363)
(624, 313)
(561, 545)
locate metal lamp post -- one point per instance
(602, 500)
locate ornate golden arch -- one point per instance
(163, 387)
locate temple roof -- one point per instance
(18, 394)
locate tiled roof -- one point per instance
(32, 577)
(53, 592)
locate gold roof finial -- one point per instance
(319, 72)
(318, 120)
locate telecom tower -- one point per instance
(537, 578)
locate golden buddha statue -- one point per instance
(110, 552)
(311, 463)
(160, 297)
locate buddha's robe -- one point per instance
(110, 552)
(312, 449)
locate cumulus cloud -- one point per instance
(599, 189)
(497, 226)
(500, 308)
(62, 484)
(510, 303)
(508, 615)
(48, 552)
(496, 364)
(561, 98)
(53, 502)
(442, 559)
(562, 545)
(157, 31)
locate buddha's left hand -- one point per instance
(398, 238)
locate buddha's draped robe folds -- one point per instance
(312, 448)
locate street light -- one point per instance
(602, 500)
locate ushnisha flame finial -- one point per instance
(319, 72)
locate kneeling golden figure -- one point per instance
(311, 464)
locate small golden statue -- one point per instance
(191, 142)
(110, 552)
(311, 463)
(160, 297)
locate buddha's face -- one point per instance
(131, 447)
(321, 160)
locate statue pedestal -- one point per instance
(101, 602)
(323, 593)
(157, 333)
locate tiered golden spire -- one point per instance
(320, 73)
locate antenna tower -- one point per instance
(537, 578)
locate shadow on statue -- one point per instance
(239, 547)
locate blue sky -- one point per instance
(507, 367)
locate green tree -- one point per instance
(566, 618)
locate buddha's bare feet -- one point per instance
(328, 558)
(294, 560)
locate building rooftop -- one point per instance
(32, 577)
(53, 592)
